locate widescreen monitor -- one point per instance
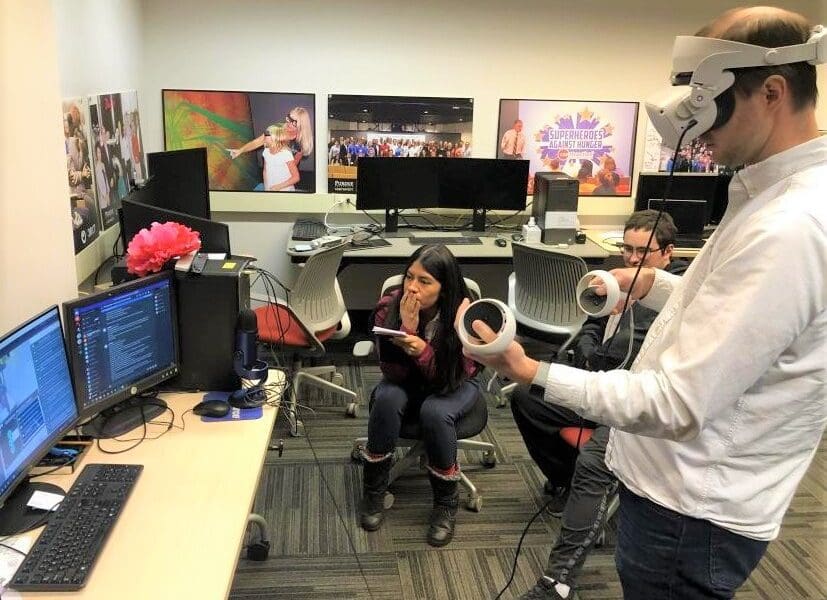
(686, 186)
(122, 342)
(37, 408)
(215, 236)
(383, 183)
(180, 182)
(488, 183)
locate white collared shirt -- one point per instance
(725, 405)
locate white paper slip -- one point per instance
(44, 500)
(391, 332)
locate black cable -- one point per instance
(519, 546)
(57, 468)
(335, 505)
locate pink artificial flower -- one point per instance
(151, 248)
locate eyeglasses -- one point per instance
(631, 250)
(290, 119)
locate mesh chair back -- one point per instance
(545, 285)
(316, 298)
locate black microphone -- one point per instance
(246, 334)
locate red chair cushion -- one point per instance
(278, 325)
(570, 435)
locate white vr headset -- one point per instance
(689, 109)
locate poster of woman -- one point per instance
(255, 141)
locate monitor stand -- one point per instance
(16, 517)
(124, 417)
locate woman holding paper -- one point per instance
(424, 373)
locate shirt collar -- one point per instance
(760, 176)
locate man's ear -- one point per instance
(668, 251)
(775, 89)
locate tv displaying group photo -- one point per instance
(592, 141)
(393, 127)
(255, 141)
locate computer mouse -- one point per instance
(517, 237)
(501, 242)
(211, 408)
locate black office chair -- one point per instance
(410, 435)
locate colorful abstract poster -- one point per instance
(117, 150)
(393, 127)
(83, 202)
(255, 141)
(592, 141)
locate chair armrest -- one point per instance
(363, 349)
(343, 329)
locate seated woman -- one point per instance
(425, 374)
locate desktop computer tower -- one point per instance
(554, 207)
(208, 307)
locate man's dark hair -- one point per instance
(772, 32)
(645, 220)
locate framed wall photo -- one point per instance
(693, 157)
(593, 141)
(255, 141)
(393, 127)
(80, 170)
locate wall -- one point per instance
(36, 260)
(485, 49)
(100, 52)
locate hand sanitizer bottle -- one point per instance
(531, 233)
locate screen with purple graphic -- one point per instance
(592, 141)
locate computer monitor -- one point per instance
(122, 342)
(688, 214)
(215, 236)
(475, 184)
(37, 408)
(686, 186)
(180, 182)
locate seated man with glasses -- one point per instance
(581, 486)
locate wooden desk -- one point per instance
(181, 531)
(486, 253)
(597, 237)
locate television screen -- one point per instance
(255, 141)
(709, 187)
(592, 141)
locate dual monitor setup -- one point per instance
(177, 189)
(114, 346)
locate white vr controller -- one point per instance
(593, 304)
(497, 316)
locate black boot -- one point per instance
(444, 514)
(375, 485)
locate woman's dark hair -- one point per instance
(442, 266)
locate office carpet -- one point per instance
(302, 496)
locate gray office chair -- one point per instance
(315, 312)
(541, 293)
(469, 426)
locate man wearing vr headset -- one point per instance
(722, 411)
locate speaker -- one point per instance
(554, 206)
(208, 307)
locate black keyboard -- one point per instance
(65, 552)
(308, 230)
(447, 240)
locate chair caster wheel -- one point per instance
(388, 502)
(489, 460)
(352, 410)
(356, 454)
(474, 504)
(337, 379)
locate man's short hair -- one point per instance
(645, 220)
(773, 32)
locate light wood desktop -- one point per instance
(488, 252)
(181, 531)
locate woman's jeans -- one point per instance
(664, 555)
(437, 415)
